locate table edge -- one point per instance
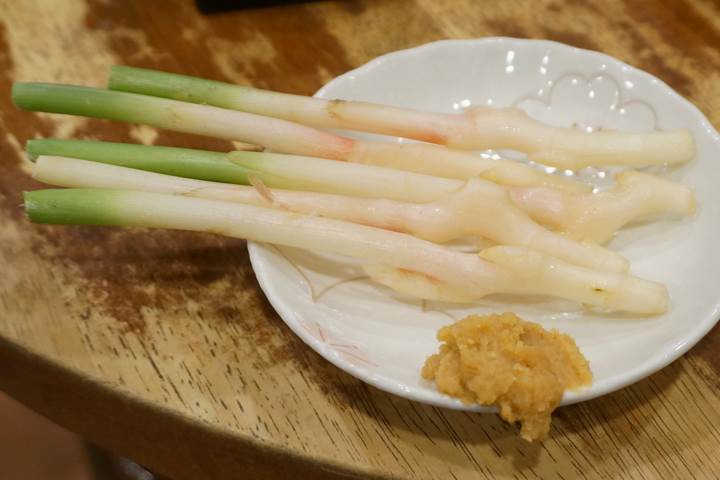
(127, 418)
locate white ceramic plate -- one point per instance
(383, 339)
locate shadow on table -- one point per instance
(593, 429)
(220, 6)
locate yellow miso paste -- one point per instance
(505, 361)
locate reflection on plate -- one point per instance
(383, 338)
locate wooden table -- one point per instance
(162, 347)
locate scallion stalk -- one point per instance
(279, 135)
(474, 211)
(478, 128)
(446, 274)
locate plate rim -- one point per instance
(438, 399)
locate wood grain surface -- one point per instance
(161, 346)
